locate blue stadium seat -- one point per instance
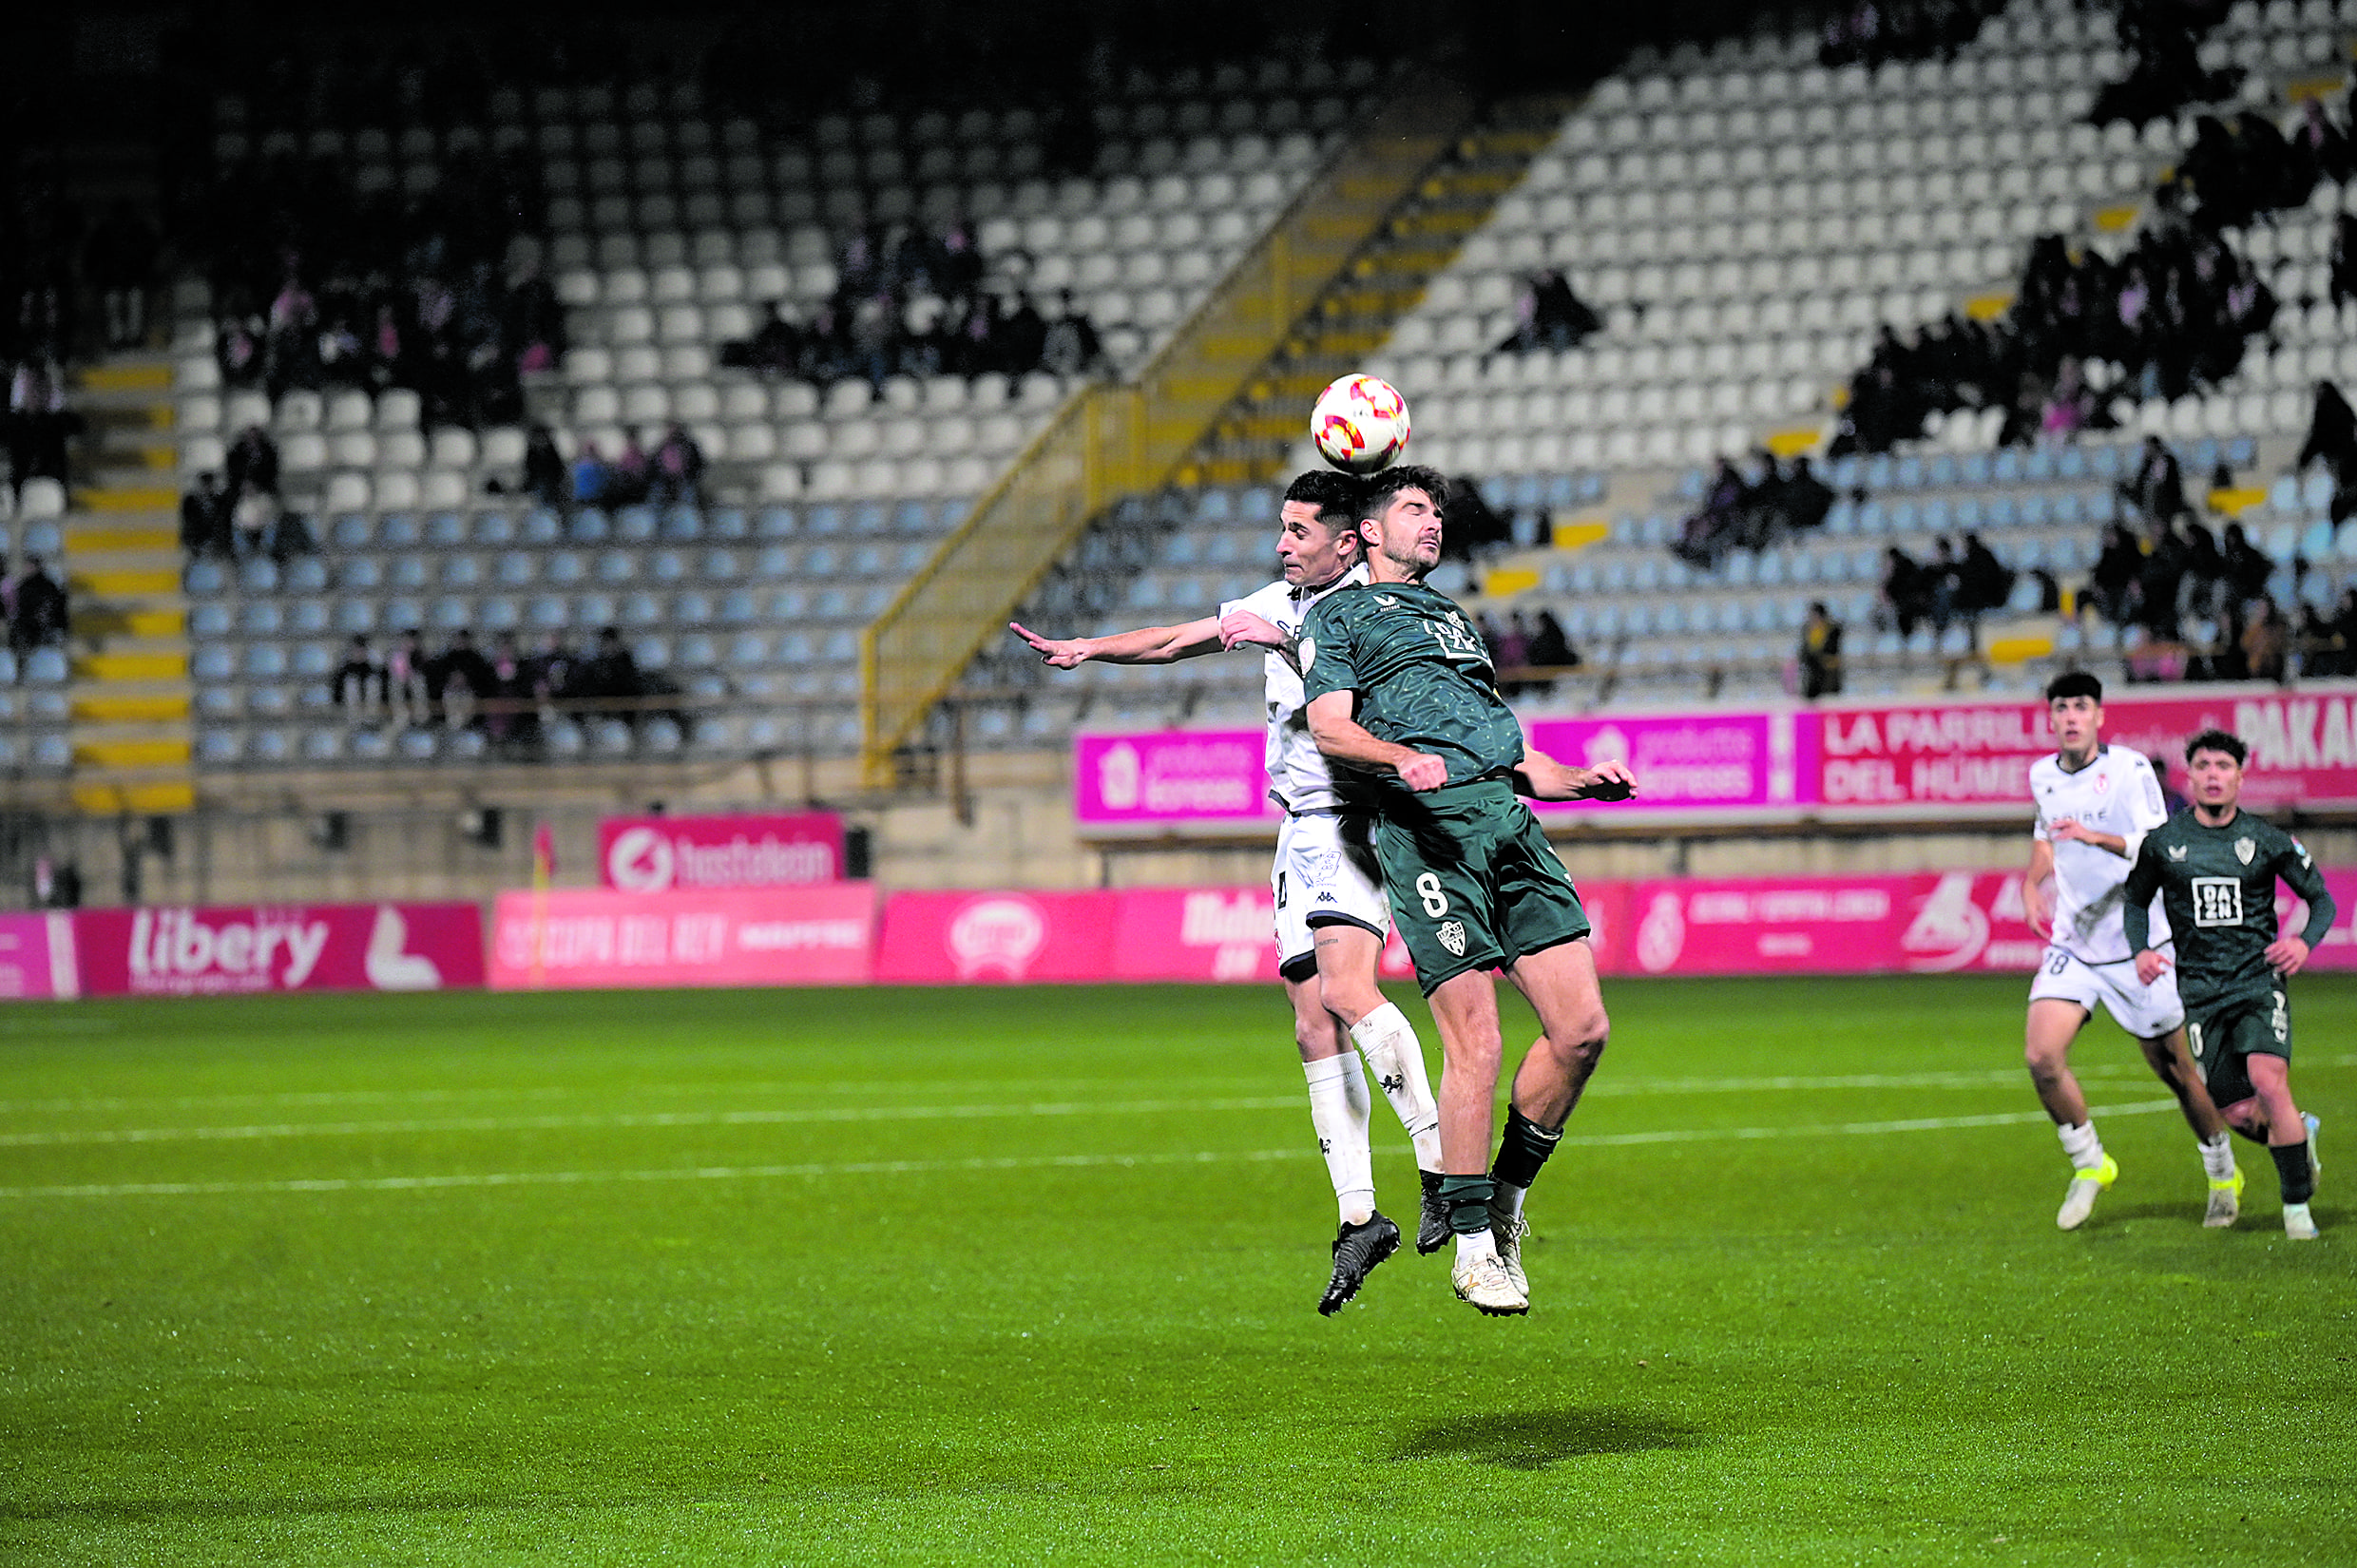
(514, 570)
(418, 745)
(691, 608)
(564, 739)
(371, 745)
(466, 746)
(494, 529)
(869, 518)
(323, 743)
(823, 521)
(617, 566)
(780, 523)
(209, 620)
(410, 572)
(610, 737)
(913, 517)
(566, 569)
(462, 571)
(218, 746)
(549, 612)
(499, 613)
(635, 524)
(46, 667)
(720, 566)
(350, 531)
(667, 565)
(2070, 463)
(446, 530)
(306, 574)
(307, 617)
(269, 745)
(541, 527)
(739, 607)
(205, 578)
(682, 524)
(594, 610)
(399, 532)
(643, 609)
(729, 523)
(259, 575)
(589, 526)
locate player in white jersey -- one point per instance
(1331, 911)
(2094, 805)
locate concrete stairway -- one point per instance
(130, 697)
(1257, 438)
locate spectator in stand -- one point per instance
(515, 722)
(1550, 649)
(409, 696)
(2267, 642)
(462, 675)
(611, 674)
(593, 482)
(1945, 578)
(1711, 530)
(544, 479)
(251, 464)
(359, 686)
(2320, 148)
(2165, 72)
(1072, 346)
(628, 484)
(2118, 570)
(204, 518)
(239, 348)
(1820, 653)
(2160, 582)
(2333, 441)
(1548, 315)
(251, 520)
(2156, 489)
(40, 424)
(1906, 591)
(2247, 568)
(676, 475)
(2205, 567)
(1982, 582)
(39, 615)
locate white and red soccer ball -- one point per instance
(1360, 424)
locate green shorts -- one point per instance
(1474, 882)
(2225, 1034)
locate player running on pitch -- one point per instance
(2214, 867)
(1402, 692)
(2096, 803)
(1330, 911)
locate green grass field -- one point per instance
(1024, 1276)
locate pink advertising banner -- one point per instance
(1689, 763)
(652, 854)
(1912, 761)
(173, 950)
(1215, 778)
(1881, 762)
(37, 958)
(588, 938)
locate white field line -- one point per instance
(843, 1114)
(1607, 1087)
(1010, 1162)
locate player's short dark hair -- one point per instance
(2217, 740)
(1334, 494)
(2074, 683)
(1379, 488)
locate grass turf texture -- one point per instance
(923, 1277)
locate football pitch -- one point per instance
(1009, 1275)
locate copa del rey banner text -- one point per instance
(1879, 761)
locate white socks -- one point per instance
(1478, 1245)
(1393, 1051)
(2079, 1142)
(1338, 1109)
(2218, 1156)
(1505, 1198)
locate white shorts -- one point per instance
(2145, 1011)
(1319, 877)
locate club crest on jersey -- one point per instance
(1321, 865)
(1452, 937)
(1306, 650)
(2176, 852)
(2245, 849)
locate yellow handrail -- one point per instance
(1114, 440)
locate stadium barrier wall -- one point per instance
(1895, 763)
(652, 854)
(179, 950)
(842, 934)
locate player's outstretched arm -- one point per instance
(1342, 737)
(1541, 777)
(1145, 646)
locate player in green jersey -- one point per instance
(2214, 867)
(1402, 697)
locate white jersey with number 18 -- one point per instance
(2113, 793)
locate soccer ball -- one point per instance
(1360, 424)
